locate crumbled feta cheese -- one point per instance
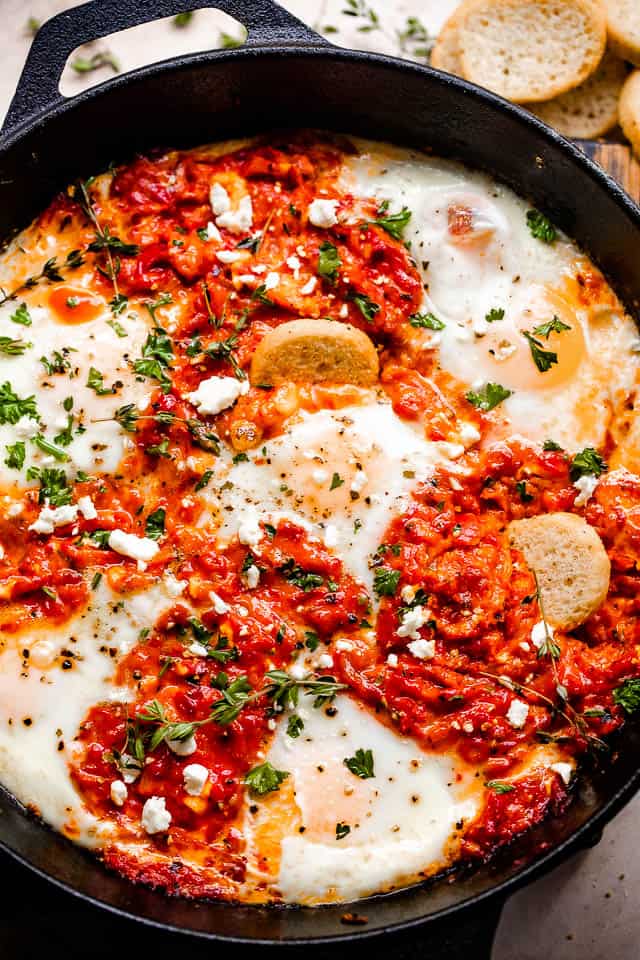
(129, 767)
(230, 256)
(322, 213)
(50, 519)
(359, 481)
(249, 531)
(271, 724)
(259, 268)
(344, 311)
(15, 509)
(320, 476)
(1, 552)
(87, 508)
(467, 727)
(517, 713)
(325, 660)
(252, 575)
(213, 233)
(468, 433)
(298, 671)
(238, 220)
(272, 280)
(294, 264)
(155, 816)
(564, 771)
(182, 748)
(219, 199)
(392, 660)
(173, 586)
(411, 622)
(198, 649)
(194, 776)
(343, 646)
(407, 593)
(585, 487)
(331, 536)
(118, 792)
(309, 286)
(217, 394)
(219, 606)
(138, 548)
(453, 451)
(422, 649)
(539, 633)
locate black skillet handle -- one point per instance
(37, 90)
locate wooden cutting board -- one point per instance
(618, 160)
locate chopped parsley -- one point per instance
(13, 407)
(329, 262)
(495, 314)
(551, 445)
(428, 321)
(551, 326)
(543, 359)
(95, 381)
(53, 485)
(299, 577)
(58, 363)
(22, 316)
(521, 487)
(385, 581)
(499, 786)
(627, 695)
(587, 463)
(488, 396)
(392, 223)
(342, 830)
(264, 779)
(16, 453)
(204, 480)
(157, 352)
(336, 481)
(367, 307)
(295, 726)
(154, 526)
(540, 227)
(361, 765)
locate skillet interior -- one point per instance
(214, 96)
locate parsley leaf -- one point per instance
(499, 786)
(367, 307)
(329, 262)
(53, 486)
(342, 830)
(587, 463)
(495, 314)
(295, 726)
(385, 581)
(157, 352)
(95, 381)
(393, 223)
(426, 320)
(551, 326)
(361, 765)
(543, 359)
(551, 445)
(16, 453)
(13, 407)
(627, 695)
(488, 397)
(154, 527)
(264, 779)
(336, 481)
(303, 579)
(21, 316)
(540, 227)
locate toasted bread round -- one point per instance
(570, 562)
(630, 110)
(447, 53)
(315, 351)
(531, 50)
(591, 110)
(623, 24)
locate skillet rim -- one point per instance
(538, 865)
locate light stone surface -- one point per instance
(586, 908)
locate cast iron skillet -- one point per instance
(286, 75)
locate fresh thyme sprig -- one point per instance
(50, 271)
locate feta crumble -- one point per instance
(87, 508)
(239, 220)
(517, 713)
(137, 548)
(194, 776)
(412, 621)
(219, 606)
(217, 394)
(422, 649)
(50, 519)
(155, 816)
(118, 792)
(322, 213)
(564, 771)
(585, 487)
(182, 748)
(252, 576)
